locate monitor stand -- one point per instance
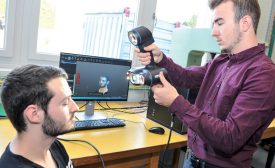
(89, 113)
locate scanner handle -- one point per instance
(152, 61)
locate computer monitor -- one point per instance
(93, 78)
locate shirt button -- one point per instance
(227, 67)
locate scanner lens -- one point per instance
(133, 39)
(137, 79)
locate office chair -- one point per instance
(271, 152)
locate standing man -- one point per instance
(37, 100)
(235, 103)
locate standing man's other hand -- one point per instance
(164, 93)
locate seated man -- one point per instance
(37, 100)
(103, 84)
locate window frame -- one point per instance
(22, 21)
(6, 52)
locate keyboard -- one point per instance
(98, 123)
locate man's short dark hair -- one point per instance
(27, 85)
(107, 78)
(242, 8)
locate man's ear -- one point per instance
(246, 23)
(33, 114)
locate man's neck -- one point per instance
(34, 148)
(247, 42)
(103, 90)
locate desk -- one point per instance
(270, 131)
(127, 146)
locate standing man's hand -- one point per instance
(145, 58)
(165, 93)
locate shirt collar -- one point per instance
(246, 54)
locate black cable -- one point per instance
(137, 123)
(103, 108)
(169, 138)
(78, 140)
(115, 108)
(127, 112)
(131, 107)
(84, 105)
(109, 108)
(121, 112)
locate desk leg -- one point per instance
(154, 161)
(176, 158)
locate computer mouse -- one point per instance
(157, 130)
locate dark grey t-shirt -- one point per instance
(10, 160)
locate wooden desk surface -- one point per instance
(115, 143)
(270, 131)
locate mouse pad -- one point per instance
(2, 111)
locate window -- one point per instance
(94, 27)
(36, 31)
(2, 22)
(7, 18)
(172, 14)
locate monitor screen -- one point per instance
(93, 78)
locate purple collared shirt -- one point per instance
(235, 104)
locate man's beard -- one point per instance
(225, 51)
(51, 128)
(234, 43)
